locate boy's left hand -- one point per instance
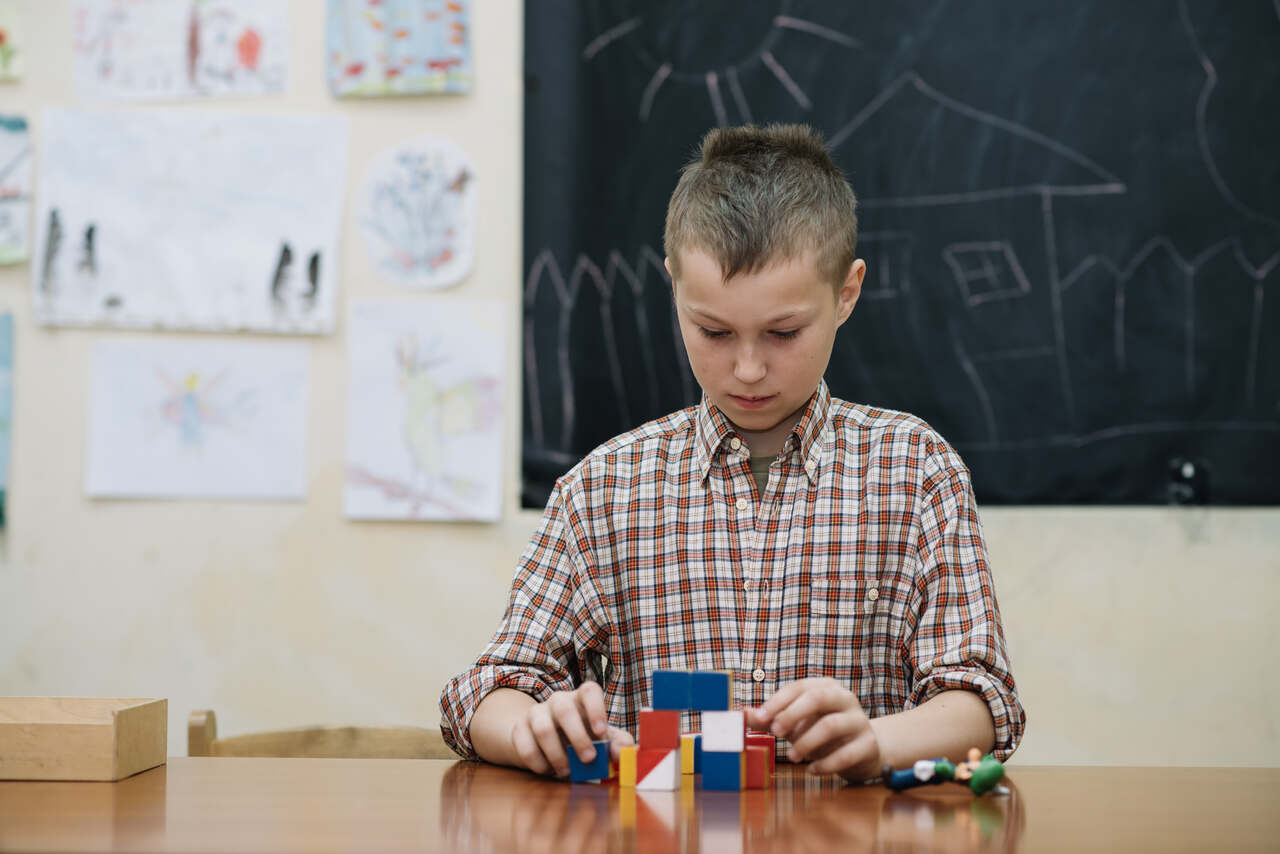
(825, 724)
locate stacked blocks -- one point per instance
(590, 772)
(723, 753)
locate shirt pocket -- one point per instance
(837, 614)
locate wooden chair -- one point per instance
(348, 742)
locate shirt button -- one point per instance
(743, 504)
(735, 443)
(757, 675)
(873, 594)
(810, 467)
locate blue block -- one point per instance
(587, 772)
(697, 754)
(709, 691)
(670, 689)
(721, 771)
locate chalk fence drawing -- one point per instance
(197, 419)
(12, 40)
(417, 213)
(1003, 268)
(189, 220)
(15, 189)
(398, 47)
(134, 49)
(424, 420)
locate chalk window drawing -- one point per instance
(425, 411)
(986, 271)
(417, 213)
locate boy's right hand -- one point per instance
(567, 720)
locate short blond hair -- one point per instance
(753, 196)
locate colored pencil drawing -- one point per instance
(417, 214)
(12, 33)
(172, 49)
(398, 47)
(189, 221)
(15, 189)
(197, 419)
(425, 417)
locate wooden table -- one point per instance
(217, 804)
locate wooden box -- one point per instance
(81, 738)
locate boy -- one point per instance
(828, 554)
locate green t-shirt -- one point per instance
(760, 471)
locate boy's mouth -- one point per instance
(751, 401)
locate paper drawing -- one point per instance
(417, 213)
(424, 418)
(15, 189)
(180, 48)
(197, 419)
(12, 34)
(6, 409)
(189, 220)
(398, 47)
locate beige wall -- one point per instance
(1138, 636)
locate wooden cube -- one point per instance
(723, 771)
(669, 689)
(710, 690)
(657, 769)
(763, 739)
(587, 772)
(724, 732)
(659, 729)
(756, 766)
(627, 766)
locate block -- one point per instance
(657, 770)
(724, 732)
(588, 772)
(669, 689)
(659, 729)
(756, 765)
(710, 690)
(627, 766)
(763, 739)
(690, 753)
(723, 772)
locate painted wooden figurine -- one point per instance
(980, 773)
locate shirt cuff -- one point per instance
(1006, 712)
(464, 693)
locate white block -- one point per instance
(665, 776)
(724, 732)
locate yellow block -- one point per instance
(627, 766)
(686, 754)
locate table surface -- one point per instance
(224, 804)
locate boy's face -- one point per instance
(760, 342)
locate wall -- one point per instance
(1133, 632)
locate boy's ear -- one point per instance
(666, 262)
(850, 290)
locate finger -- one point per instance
(569, 720)
(618, 739)
(859, 754)
(590, 697)
(797, 733)
(827, 733)
(818, 699)
(543, 725)
(758, 719)
(783, 698)
(526, 747)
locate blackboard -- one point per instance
(1070, 213)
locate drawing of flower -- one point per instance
(6, 50)
(248, 48)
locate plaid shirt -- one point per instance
(863, 561)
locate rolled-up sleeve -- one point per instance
(534, 649)
(958, 641)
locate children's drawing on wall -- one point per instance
(15, 189)
(12, 33)
(398, 47)
(197, 419)
(424, 417)
(189, 220)
(417, 213)
(6, 409)
(180, 48)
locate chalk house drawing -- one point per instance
(417, 213)
(425, 412)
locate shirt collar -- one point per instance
(713, 430)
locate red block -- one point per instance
(757, 761)
(659, 729)
(763, 739)
(647, 758)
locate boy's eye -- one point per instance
(785, 333)
(713, 333)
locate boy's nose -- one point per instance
(748, 368)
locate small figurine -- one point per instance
(980, 773)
